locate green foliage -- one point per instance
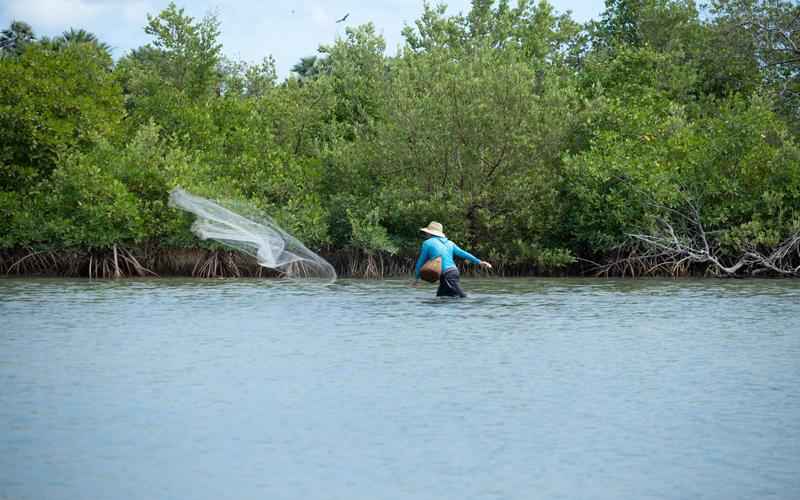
(311, 67)
(169, 79)
(15, 38)
(247, 80)
(83, 37)
(51, 103)
(149, 167)
(738, 168)
(188, 52)
(483, 143)
(764, 37)
(641, 73)
(664, 25)
(356, 73)
(87, 207)
(536, 141)
(534, 29)
(367, 233)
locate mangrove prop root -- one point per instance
(665, 254)
(676, 252)
(29, 263)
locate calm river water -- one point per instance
(245, 389)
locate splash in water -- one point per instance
(254, 234)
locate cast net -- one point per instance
(242, 228)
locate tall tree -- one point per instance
(14, 38)
(179, 68)
(184, 54)
(535, 27)
(309, 67)
(357, 70)
(82, 36)
(659, 24)
(767, 32)
(52, 102)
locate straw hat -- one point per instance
(433, 228)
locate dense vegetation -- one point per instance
(657, 139)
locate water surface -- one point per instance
(534, 388)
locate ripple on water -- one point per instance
(561, 388)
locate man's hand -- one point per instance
(485, 265)
(414, 283)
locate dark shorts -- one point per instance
(449, 284)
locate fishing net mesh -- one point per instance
(244, 229)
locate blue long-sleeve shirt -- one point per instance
(439, 246)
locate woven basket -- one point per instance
(431, 270)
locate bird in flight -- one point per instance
(344, 18)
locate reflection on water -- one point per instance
(529, 388)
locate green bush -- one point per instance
(536, 141)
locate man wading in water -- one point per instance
(438, 247)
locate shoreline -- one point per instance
(153, 262)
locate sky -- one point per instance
(250, 29)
